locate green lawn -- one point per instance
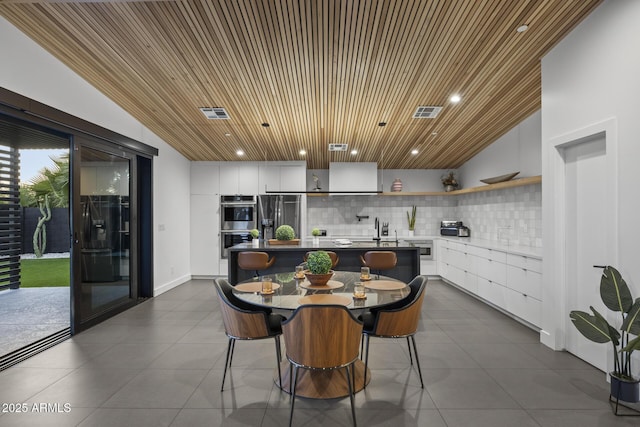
(46, 272)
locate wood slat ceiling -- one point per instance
(318, 71)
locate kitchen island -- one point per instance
(288, 256)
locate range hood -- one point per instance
(353, 178)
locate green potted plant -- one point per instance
(318, 270)
(411, 218)
(255, 234)
(285, 235)
(616, 297)
(449, 181)
(315, 232)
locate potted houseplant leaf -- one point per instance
(449, 181)
(285, 235)
(616, 297)
(255, 234)
(411, 219)
(318, 270)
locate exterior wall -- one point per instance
(31, 71)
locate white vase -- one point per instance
(411, 233)
(255, 243)
(316, 241)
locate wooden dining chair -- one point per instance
(242, 321)
(255, 261)
(322, 337)
(335, 259)
(398, 320)
(379, 260)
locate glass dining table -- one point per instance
(289, 292)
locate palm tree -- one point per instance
(53, 182)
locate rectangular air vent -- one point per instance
(338, 147)
(215, 113)
(426, 112)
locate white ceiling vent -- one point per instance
(215, 113)
(338, 147)
(426, 112)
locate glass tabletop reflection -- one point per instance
(291, 292)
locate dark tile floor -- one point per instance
(160, 364)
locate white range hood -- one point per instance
(353, 177)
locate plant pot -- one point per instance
(624, 389)
(291, 242)
(255, 243)
(316, 241)
(411, 233)
(318, 279)
(448, 188)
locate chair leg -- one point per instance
(293, 395)
(278, 359)
(233, 348)
(351, 398)
(410, 357)
(227, 362)
(366, 361)
(361, 347)
(415, 351)
(290, 378)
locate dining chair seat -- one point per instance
(243, 321)
(397, 320)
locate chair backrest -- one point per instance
(322, 336)
(238, 322)
(380, 260)
(254, 260)
(334, 258)
(403, 320)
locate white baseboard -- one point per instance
(159, 290)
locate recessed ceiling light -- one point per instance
(302, 152)
(354, 152)
(414, 152)
(522, 28)
(455, 98)
(240, 153)
(227, 134)
(434, 133)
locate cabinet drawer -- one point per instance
(491, 291)
(460, 247)
(526, 282)
(491, 254)
(525, 262)
(524, 307)
(491, 270)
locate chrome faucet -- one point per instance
(377, 225)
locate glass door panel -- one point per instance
(102, 234)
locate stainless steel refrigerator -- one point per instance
(275, 210)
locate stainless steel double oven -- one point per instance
(237, 217)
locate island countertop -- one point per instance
(288, 256)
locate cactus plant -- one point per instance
(40, 234)
(285, 232)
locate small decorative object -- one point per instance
(284, 236)
(267, 285)
(411, 218)
(501, 178)
(319, 268)
(397, 185)
(255, 242)
(359, 291)
(616, 297)
(315, 232)
(449, 181)
(316, 181)
(365, 273)
(299, 272)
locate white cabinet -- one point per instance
(509, 281)
(239, 178)
(282, 177)
(204, 238)
(428, 267)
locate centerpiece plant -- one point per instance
(318, 268)
(255, 234)
(616, 296)
(285, 232)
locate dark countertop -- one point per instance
(326, 245)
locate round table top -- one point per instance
(293, 292)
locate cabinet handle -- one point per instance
(525, 295)
(524, 269)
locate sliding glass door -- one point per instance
(102, 234)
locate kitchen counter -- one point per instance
(288, 256)
(528, 251)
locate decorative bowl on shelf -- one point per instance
(318, 279)
(501, 178)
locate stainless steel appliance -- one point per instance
(275, 210)
(454, 228)
(232, 238)
(426, 248)
(237, 213)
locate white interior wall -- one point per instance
(29, 70)
(519, 150)
(592, 77)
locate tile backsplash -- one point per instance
(512, 215)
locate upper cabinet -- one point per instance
(239, 178)
(205, 178)
(282, 177)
